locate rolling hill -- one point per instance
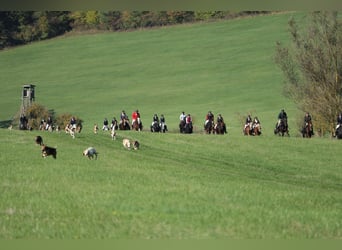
(176, 186)
(226, 67)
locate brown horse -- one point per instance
(307, 130)
(247, 130)
(220, 128)
(257, 130)
(137, 126)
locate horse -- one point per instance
(256, 130)
(181, 126)
(208, 127)
(163, 127)
(137, 126)
(282, 129)
(155, 127)
(42, 125)
(338, 132)
(247, 130)
(307, 130)
(124, 125)
(188, 128)
(219, 128)
(79, 128)
(185, 128)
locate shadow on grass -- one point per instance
(5, 124)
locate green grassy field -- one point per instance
(226, 67)
(176, 186)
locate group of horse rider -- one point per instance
(252, 123)
(135, 118)
(307, 122)
(185, 123)
(282, 120)
(124, 120)
(186, 119)
(158, 125)
(209, 120)
(106, 124)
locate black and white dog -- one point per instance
(46, 151)
(136, 145)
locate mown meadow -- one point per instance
(176, 186)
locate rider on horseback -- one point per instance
(162, 123)
(123, 118)
(182, 116)
(339, 120)
(307, 121)
(256, 123)
(282, 117)
(220, 119)
(188, 121)
(134, 116)
(49, 123)
(338, 132)
(155, 119)
(73, 122)
(155, 124)
(248, 122)
(209, 118)
(105, 124)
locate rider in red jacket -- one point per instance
(134, 116)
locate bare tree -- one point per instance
(312, 65)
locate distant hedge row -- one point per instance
(21, 27)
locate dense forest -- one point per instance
(22, 27)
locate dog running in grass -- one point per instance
(136, 145)
(90, 153)
(47, 151)
(96, 128)
(127, 144)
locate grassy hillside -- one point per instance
(226, 67)
(176, 186)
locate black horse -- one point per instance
(185, 128)
(124, 125)
(181, 126)
(338, 132)
(282, 129)
(155, 127)
(220, 128)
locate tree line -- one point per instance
(312, 66)
(22, 27)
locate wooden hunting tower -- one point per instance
(27, 97)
